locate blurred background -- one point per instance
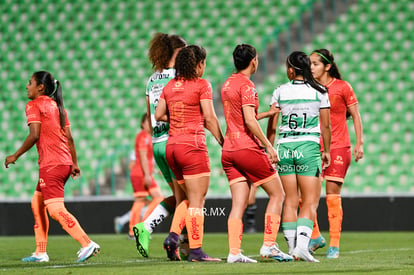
(98, 51)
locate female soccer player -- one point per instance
(244, 159)
(50, 130)
(187, 101)
(343, 102)
(142, 181)
(162, 53)
(302, 102)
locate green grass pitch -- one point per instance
(361, 253)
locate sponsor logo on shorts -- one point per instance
(67, 219)
(292, 154)
(339, 160)
(42, 182)
(285, 168)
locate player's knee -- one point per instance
(55, 210)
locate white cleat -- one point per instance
(303, 255)
(275, 253)
(37, 258)
(86, 252)
(239, 258)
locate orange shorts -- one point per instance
(252, 164)
(340, 161)
(187, 161)
(138, 185)
(52, 180)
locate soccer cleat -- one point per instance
(184, 248)
(86, 252)
(37, 258)
(171, 246)
(239, 258)
(275, 253)
(300, 254)
(142, 239)
(117, 225)
(198, 255)
(333, 252)
(317, 243)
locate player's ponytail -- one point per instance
(53, 89)
(300, 62)
(326, 57)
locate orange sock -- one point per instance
(180, 214)
(235, 231)
(315, 232)
(194, 222)
(69, 223)
(151, 206)
(271, 227)
(335, 214)
(135, 215)
(41, 226)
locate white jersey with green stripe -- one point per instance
(299, 104)
(155, 84)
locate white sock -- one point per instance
(289, 231)
(303, 235)
(124, 218)
(156, 217)
(290, 237)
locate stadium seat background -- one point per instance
(98, 50)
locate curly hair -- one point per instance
(161, 49)
(187, 60)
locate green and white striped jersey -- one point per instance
(299, 104)
(155, 84)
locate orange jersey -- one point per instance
(238, 91)
(52, 145)
(341, 96)
(143, 142)
(183, 99)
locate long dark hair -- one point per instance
(326, 57)
(300, 62)
(53, 89)
(187, 60)
(242, 55)
(161, 49)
